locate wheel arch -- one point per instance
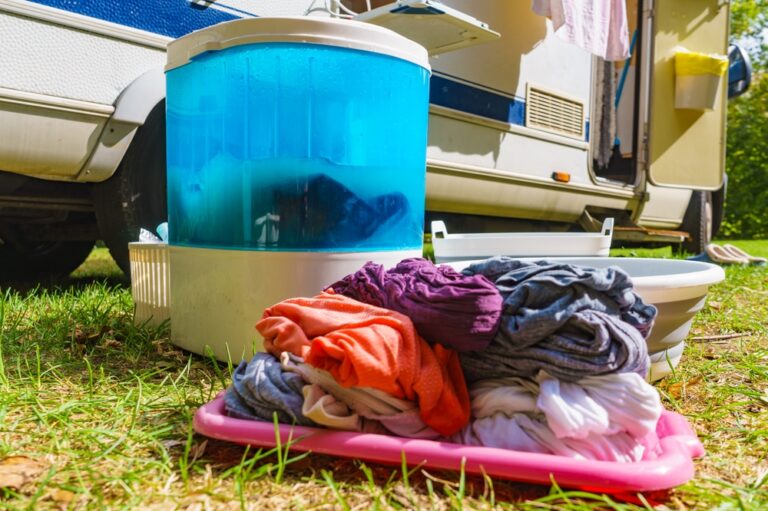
(132, 108)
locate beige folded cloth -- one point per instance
(737, 252)
(720, 255)
(326, 410)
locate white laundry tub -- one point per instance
(676, 287)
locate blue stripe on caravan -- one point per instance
(473, 100)
(466, 98)
(172, 18)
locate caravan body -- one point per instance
(513, 126)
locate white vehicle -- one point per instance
(517, 125)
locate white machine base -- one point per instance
(218, 296)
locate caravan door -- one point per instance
(686, 147)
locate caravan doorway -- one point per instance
(615, 109)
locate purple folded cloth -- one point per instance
(458, 311)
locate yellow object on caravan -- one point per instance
(697, 79)
(694, 63)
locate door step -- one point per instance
(626, 231)
(649, 235)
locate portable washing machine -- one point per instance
(296, 153)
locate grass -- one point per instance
(105, 409)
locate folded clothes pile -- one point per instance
(536, 357)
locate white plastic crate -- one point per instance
(458, 247)
(150, 282)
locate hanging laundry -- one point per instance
(604, 117)
(598, 26)
(261, 388)
(530, 433)
(567, 320)
(365, 346)
(459, 311)
(379, 412)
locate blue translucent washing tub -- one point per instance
(287, 145)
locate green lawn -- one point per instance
(98, 414)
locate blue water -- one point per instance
(297, 147)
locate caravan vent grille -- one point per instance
(546, 110)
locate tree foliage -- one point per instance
(749, 28)
(747, 163)
(748, 18)
(746, 212)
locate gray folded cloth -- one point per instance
(570, 321)
(261, 387)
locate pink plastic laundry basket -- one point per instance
(674, 465)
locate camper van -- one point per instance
(526, 130)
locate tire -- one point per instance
(22, 260)
(698, 222)
(718, 206)
(134, 197)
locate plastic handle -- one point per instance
(607, 227)
(439, 230)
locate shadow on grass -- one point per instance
(98, 269)
(84, 320)
(61, 285)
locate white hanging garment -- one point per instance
(598, 26)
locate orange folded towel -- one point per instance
(366, 346)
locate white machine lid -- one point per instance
(323, 31)
(433, 25)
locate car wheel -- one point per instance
(698, 222)
(134, 197)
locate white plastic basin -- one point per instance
(676, 287)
